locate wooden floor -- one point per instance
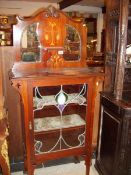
(64, 169)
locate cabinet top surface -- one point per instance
(68, 72)
(125, 102)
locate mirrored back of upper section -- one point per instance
(49, 39)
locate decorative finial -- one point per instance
(51, 12)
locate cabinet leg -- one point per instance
(88, 164)
(25, 167)
(28, 168)
(31, 170)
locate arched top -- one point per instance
(51, 39)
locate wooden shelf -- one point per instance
(50, 132)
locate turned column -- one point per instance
(121, 52)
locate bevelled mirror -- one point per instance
(72, 47)
(30, 45)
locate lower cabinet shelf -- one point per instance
(59, 133)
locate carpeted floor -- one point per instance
(64, 169)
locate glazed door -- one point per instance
(58, 117)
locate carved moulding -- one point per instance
(51, 12)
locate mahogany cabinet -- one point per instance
(58, 115)
(57, 91)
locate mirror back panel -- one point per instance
(49, 39)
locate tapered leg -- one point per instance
(25, 166)
(28, 167)
(31, 169)
(88, 164)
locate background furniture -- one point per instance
(91, 24)
(55, 88)
(114, 143)
(114, 148)
(4, 159)
(6, 30)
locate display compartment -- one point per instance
(59, 114)
(53, 141)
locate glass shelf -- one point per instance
(50, 100)
(57, 122)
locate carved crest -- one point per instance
(51, 12)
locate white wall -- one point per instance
(82, 9)
(99, 30)
(22, 8)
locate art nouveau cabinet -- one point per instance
(57, 90)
